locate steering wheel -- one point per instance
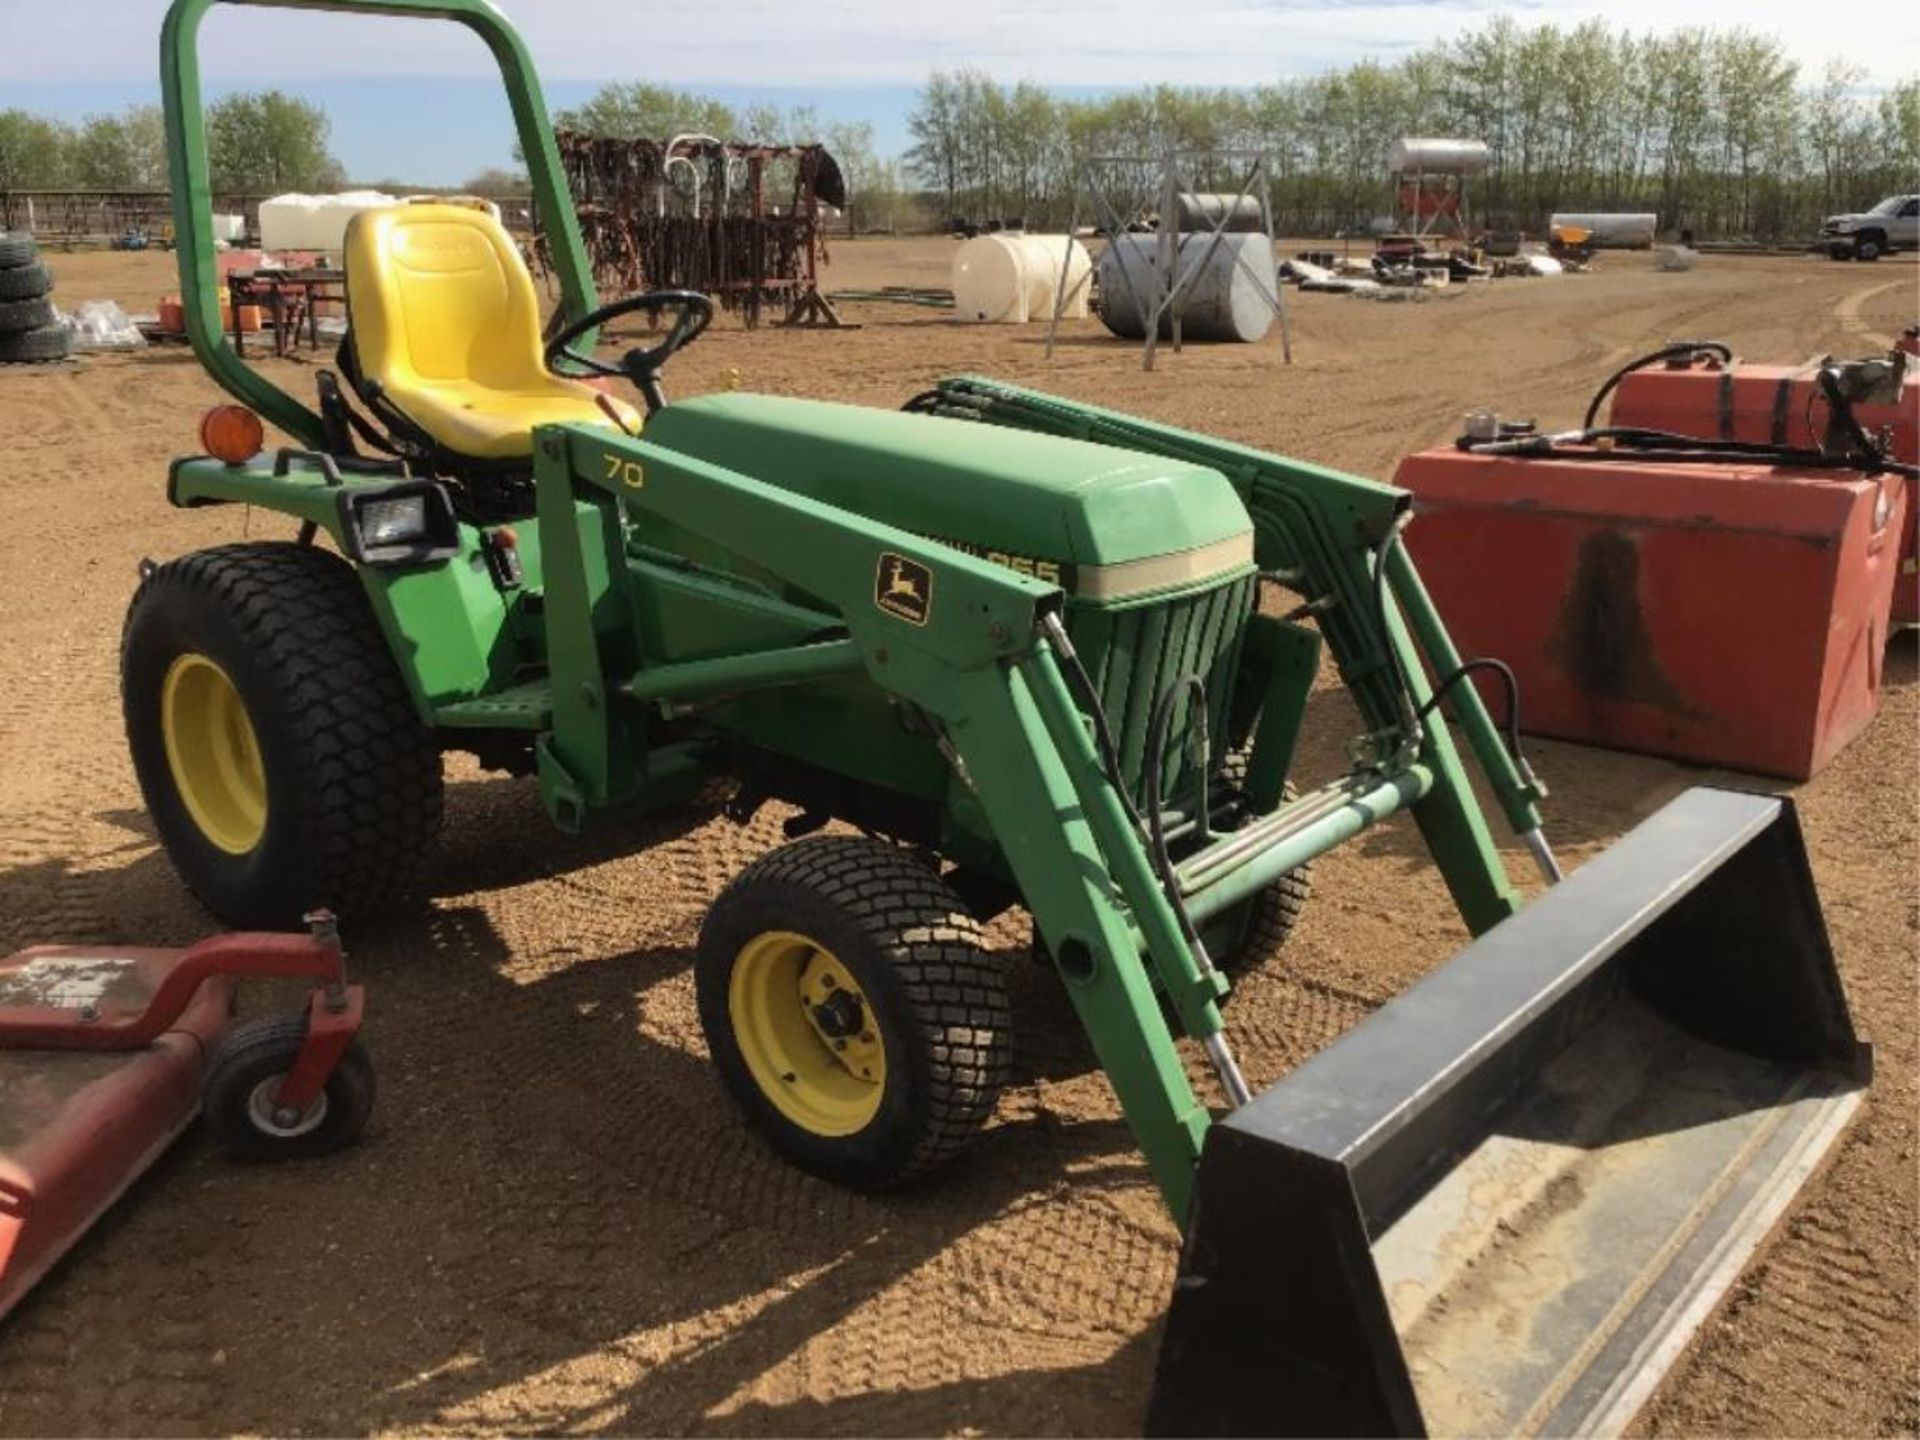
(641, 365)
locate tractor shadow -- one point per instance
(558, 1219)
(470, 857)
(640, 1209)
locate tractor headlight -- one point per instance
(409, 523)
(399, 521)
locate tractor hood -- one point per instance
(1101, 522)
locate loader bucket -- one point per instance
(1502, 1203)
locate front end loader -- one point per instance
(1028, 652)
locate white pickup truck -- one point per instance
(1893, 224)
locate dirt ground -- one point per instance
(558, 1222)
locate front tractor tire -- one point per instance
(853, 1010)
(280, 756)
(1250, 934)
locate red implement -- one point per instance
(1779, 405)
(76, 1129)
(105, 1057)
(1731, 614)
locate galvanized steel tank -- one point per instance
(1611, 229)
(1231, 283)
(1437, 156)
(1204, 210)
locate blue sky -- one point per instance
(413, 99)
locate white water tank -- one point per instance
(1010, 279)
(314, 222)
(1230, 286)
(1612, 230)
(1438, 157)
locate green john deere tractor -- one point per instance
(1017, 644)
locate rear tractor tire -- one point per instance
(279, 753)
(852, 1010)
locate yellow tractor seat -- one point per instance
(445, 324)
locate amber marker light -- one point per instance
(232, 433)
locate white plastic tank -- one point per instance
(1612, 230)
(1231, 285)
(314, 222)
(465, 202)
(1056, 265)
(1009, 279)
(1438, 156)
(990, 281)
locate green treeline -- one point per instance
(256, 144)
(1715, 130)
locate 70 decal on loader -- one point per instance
(1619, 1084)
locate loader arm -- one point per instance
(970, 653)
(973, 659)
(1324, 535)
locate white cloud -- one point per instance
(876, 42)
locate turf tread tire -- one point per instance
(35, 347)
(1274, 910)
(25, 282)
(903, 933)
(17, 315)
(353, 776)
(257, 1050)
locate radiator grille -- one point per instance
(1135, 654)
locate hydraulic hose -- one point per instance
(1511, 684)
(1151, 782)
(1609, 446)
(1154, 829)
(1219, 1052)
(1673, 350)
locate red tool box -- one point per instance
(107, 1054)
(1781, 405)
(1731, 613)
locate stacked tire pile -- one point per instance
(29, 331)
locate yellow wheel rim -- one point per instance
(807, 1033)
(213, 754)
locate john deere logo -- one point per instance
(903, 588)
